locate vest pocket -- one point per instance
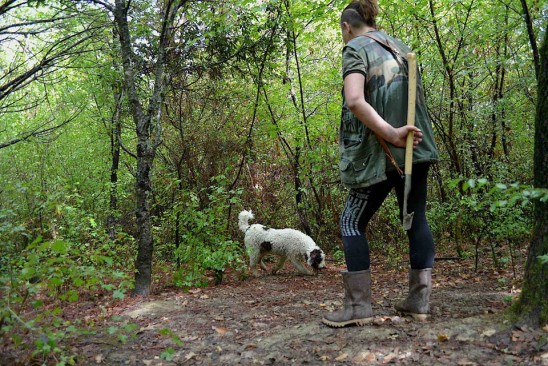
(349, 142)
(353, 172)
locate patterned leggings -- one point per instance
(362, 203)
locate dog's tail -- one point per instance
(243, 220)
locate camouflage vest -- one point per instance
(362, 159)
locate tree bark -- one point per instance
(147, 129)
(532, 37)
(533, 303)
(115, 136)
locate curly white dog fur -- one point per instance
(285, 243)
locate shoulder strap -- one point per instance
(402, 61)
(395, 52)
(389, 155)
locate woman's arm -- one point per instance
(355, 99)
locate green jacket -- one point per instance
(362, 160)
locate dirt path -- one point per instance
(275, 320)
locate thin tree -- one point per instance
(147, 127)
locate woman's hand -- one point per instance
(398, 137)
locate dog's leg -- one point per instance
(281, 262)
(300, 267)
(263, 266)
(254, 259)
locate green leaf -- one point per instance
(55, 281)
(122, 338)
(72, 296)
(167, 354)
(59, 246)
(118, 294)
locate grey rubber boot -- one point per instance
(417, 303)
(357, 301)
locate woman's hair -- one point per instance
(361, 12)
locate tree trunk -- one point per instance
(115, 136)
(532, 37)
(533, 303)
(143, 190)
(147, 128)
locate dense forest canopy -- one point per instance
(206, 108)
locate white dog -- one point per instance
(285, 243)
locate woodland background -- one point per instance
(141, 129)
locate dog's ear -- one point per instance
(315, 258)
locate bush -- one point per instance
(37, 277)
(205, 244)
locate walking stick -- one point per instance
(411, 98)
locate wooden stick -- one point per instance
(412, 97)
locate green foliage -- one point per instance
(205, 242)
(494, 212)
(123, 331)
(47, 272)
(169, 352)
(38, 277)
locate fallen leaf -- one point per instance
(341, 357)
(260, 325)
(378, 321)
(465, 362)
(388, 358)
(220, 330)
(190, 355)
(488, 333)
(325, 358)
(99, 358)
(443, 337)
(365, 356)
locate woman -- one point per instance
(374, 112)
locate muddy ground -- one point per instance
(276, 320)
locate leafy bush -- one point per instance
(38, 276)
(494, 212)
(205, 243)
(46, 275)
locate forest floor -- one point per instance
(276, 320)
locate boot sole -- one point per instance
(357, 322)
